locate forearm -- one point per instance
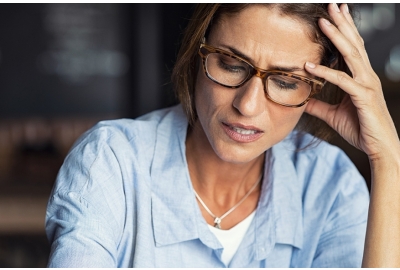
(382, 247)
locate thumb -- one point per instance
(320, 109)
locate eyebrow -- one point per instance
(280, 68)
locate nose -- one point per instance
(250, 99)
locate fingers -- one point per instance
(347, 40)
(341, 117)
(321, 110)
(339, 78)
(356, 37)
(344, 8)
(346, 26)
(349, 43)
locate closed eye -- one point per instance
(231, 65)
(283, 84)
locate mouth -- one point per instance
(241, 133)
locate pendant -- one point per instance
(217, 222)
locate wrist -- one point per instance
(385, 167)
(388, 155)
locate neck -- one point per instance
(219, 183)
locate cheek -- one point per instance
(281, 122)
(208, 95)
(285, 118)
(202, 95)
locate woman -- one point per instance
(229, 177)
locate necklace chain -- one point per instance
(217, 220)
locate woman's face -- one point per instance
(240, 124)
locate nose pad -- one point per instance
(250, 100)
(260, 74)
(263, 76)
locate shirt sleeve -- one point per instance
(341, 243)
(84, 219)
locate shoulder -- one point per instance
(331, 183)
(309, 154)
(104, 188)
(328, 194)
(113, 147)
(328, 179)
(337, 197)
(127, 134)
(143, 127)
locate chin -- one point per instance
(238, 154)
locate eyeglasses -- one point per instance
(232, 71)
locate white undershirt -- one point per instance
(231, 239)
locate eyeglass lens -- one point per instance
(232, 72)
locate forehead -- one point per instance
(267, 36)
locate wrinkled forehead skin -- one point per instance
(305, 26)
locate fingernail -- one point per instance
(336, 7)
(327, 22)
(347, 8)
(310, 65)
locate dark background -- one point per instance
(63, 67)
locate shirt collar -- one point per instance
(176, 215)
(279, 216)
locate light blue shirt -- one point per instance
(123, 198)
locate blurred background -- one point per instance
(64, 67)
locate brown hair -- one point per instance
(206, 15)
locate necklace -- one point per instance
(217, 220)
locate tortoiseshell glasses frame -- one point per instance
(315, 85)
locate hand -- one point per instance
(362, 118)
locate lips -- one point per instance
(241, 133)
